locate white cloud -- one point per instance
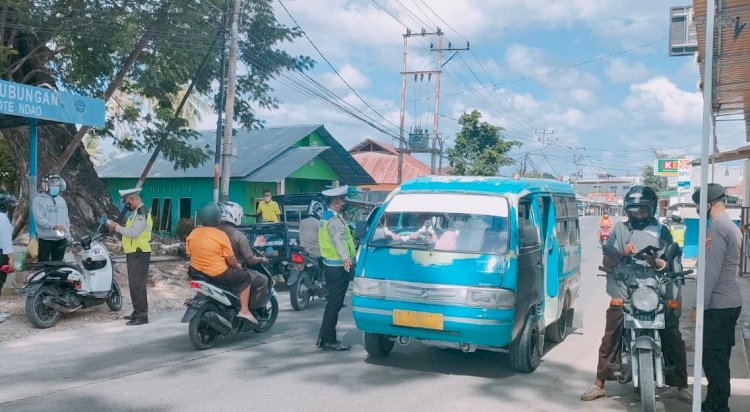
(673, 105)
(351, 74)
(622, 71)
(528, 61)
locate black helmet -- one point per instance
(642, 199)
(8, 203)
(209, 215)
(715, 192)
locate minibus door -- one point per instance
(530, 263)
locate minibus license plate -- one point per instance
(418, 319)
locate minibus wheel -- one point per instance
(556, 332)
(377, 345)
(525, 354)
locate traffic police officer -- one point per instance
(723, 301)
(337, 250)
(136, 243)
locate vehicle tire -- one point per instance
(646, 379)
(202, 335)
(377, 345)
(267, 315)
(525, 354)
(557, 331)
(114, 302)
(299, 293)
(42, 316)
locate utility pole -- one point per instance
(227, 151)
(403, 112)
(219, 121)
(437, 100)
(433, 148)
(545, 137)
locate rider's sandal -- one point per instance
(249, 318)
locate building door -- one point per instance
(185, 208)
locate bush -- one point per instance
(184, 227)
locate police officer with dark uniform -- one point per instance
(723, 301)
(337, 251)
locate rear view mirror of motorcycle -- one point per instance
(646, 252)
(672, 251)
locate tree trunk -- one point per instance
(86, 194)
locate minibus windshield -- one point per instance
(444, 222)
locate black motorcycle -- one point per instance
(212, 313)
(305, 278)
(650, 294)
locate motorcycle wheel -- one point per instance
(201, 334)
(267, 315)
(377, 345)
(646, 379)
(114, 301)
(42, 316)
(525, 353)
(299, 293)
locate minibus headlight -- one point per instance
(374, 288)
(490, 298)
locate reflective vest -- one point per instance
(328, 250)
(143, 241)
(678, 234)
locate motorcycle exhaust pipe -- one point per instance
(48, 302)
(403, 340)
(218, 323)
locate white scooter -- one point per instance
(63, 287)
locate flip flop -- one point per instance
(249, 318)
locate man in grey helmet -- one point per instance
(722, 298)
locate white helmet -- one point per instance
(231, 213)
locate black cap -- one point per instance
(715, 192)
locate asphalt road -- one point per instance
(154, 368)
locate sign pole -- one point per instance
(708, 83)
(32, 173)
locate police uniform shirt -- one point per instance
(723, 248)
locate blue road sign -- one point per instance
(41, 103)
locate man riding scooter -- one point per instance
(212, 257)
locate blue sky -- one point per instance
(611, 111)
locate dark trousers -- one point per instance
(673, 349)
(337, 282)
(137, 277)
(3, 276)
(718, 339)
(52, 250)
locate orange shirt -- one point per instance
(208, 248)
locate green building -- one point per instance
(284, 160)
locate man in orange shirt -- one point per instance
(211, 256)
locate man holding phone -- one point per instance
(642, 233)
(338, 251)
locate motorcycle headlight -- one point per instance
(373, 288)
(645, 299)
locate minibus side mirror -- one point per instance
(529, 236)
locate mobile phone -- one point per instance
(646, 252)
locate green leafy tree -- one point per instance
(85, 45)
(480, 148)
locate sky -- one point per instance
(596, 73)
